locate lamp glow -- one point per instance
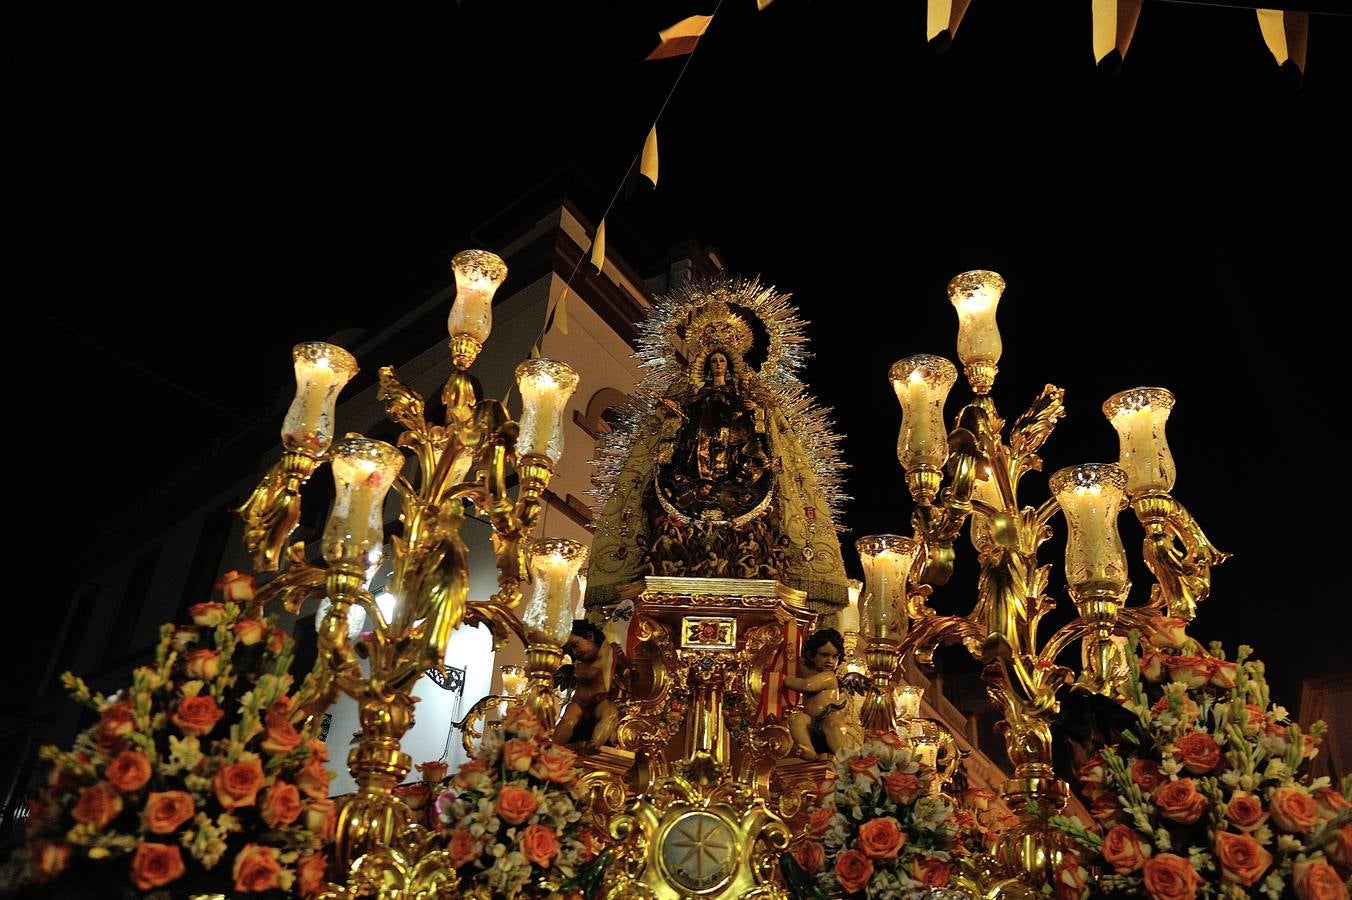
(975, 295)
(922, 383)
(554, 564)
(848, 617)
(887, 560)
(1091, 496)
(478, 274)
(545, 387)
(321, 372)
(1139, 416)
(363, 473)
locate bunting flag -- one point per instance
(1285, 32)
(598, 250)
(681, 38)
(647, 166)
(944, 16)
(1114, 25)
(559, 315)
(761, 4)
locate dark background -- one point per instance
(188, 194)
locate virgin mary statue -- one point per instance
(718, 468)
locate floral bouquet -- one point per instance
(513, 816)
(1203, 793)
(882, 832)
(193, 780)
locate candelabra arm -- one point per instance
(500, 620)
(299, 582)
(469, 731)
(1178, 553)
(927, 634)
(273, 508)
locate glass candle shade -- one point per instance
(907, 698)
(975, 296)
(887, 560)
(321, 372)
(363, 472)
(545, 387)
(513, 680)
(922, 383)
(849, 614)
(478, 274)
(1091, 496)
(554, 564)
(356, 618)
(1139, 415)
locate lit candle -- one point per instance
(1139, 416)
(554, 564)
(321, 372)
(975, 296)
(545, 387)
(922, 383)
(849, 615)
(513, 680)
(918, 415)
(1091, 498)
(478, 274)
(363, 472)
(908, 701)
(887, 560)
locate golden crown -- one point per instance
(716, 325)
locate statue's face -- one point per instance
(582, 649)
(825, 658)
(718, 365)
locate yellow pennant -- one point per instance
(1285, 32)
(1114, 26)
(943, 15)
(647, 166)
(761, 4)
(598, 250)
(559, 316)
(681, 38)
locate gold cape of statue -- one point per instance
(720, 468)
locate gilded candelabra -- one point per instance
(464, 460)
(971, 473)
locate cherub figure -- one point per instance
(596, 677)
(818, 726)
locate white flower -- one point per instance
(1171, 767)
(1289, 843)
(1162, 842)
(931, 812)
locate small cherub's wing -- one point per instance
(856, 683)
(565, 679)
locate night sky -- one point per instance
(189, 196)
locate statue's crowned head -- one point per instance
(715, 328)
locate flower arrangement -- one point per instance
(882, 831)
(513, 818)
(1203, 793)
(193, 780)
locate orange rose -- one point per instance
(166, 810)
(1170, 877)
(1330, 801)
(1293, 810)
(115, 723)
(208, 615)
(1070, 880)
(97, 806)
(1245, 811)
(129, 771)
(930, 871)
(1340, 848)
(281, 804)
(280, 736)
(257, 869)
(1124, 851)
(1105, 808)
(515, 804)
(592, 844)
(1180, 802)
(1146, 775)
(48, 858)
(539, 845)
(1191, 710)
(1192, 671)
(881, 838)
(853, 871)
(237, 784)
(820, 820)
(521, 722)
(463, 848)
(1224, 676)
(249, 631)
(977, 798)
(321, 818)
(1257, 719)
(810, 855)
(517, 755)
(155, 865)
(901, 787)
(861, 765)
(313, 779)
(555, 764)
(202, 663)
(1199, 752)
(1152, 666)
(276, 641)
(310, 869)
(236, 587)
(197, 715)
(1168, 633)
(1315, 879)
(1243, 860)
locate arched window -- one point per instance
(602, 411)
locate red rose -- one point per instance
(155, 865)
(1243, 860)
(853, 871)
(1245, 811)
(167, 810)
(1124, 850)
(257, 869)
(820, 820)
(1179, 801)
(129, 771)
(463, 848)
(1170, 877)
(197, 715)
(539, 844)
(809, 854)
(310, 870)
(281, 804)
(1315, 879)
(901, 787)
(515, 805)
(1147, 775)
(881, 838)
(930, 871)
(1293, 810)
(1199, 752)
(97, 806)
(237, 784)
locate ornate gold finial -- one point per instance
(717, 326)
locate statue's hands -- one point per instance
(565, 679)
(856, 683)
